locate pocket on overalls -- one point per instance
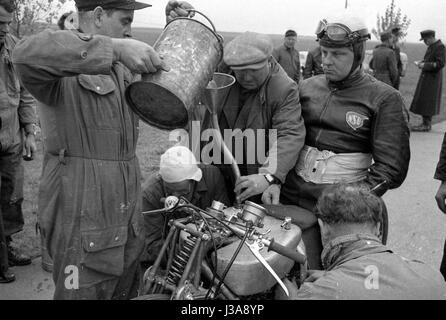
(103, 250)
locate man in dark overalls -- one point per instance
(18, 118)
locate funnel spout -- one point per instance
(214, 99)
(227, 154)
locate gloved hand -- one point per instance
(175, 9)
(137, 56)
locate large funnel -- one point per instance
(216, 92)
(214, 98)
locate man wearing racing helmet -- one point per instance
(357, 127)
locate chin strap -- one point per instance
(359, 55)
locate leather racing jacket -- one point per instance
(359, 115)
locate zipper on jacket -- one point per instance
(323, 112)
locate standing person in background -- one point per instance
(288, 56)
(383, 63)
(396, 34)
(427, 99)
(90, 192)
(313, 65)
(18, 119)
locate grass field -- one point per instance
(153, 142)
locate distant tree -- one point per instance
(392, 18)
(32, 16)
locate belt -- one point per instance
(326, 167)
(64, 154)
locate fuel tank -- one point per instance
(247, 275)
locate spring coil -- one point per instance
(180, 261)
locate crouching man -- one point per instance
(356, 264)
(179, 176)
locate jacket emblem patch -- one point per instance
(355, 120)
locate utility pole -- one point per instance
(346, 4)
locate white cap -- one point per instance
(353, 22)
(179, 164)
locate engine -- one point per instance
(209, 254)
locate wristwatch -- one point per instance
(272, 179)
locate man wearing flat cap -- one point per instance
(384, 63)
(427, 97)
(17, 119)
(264, 101)
(90, 192)
(288, 57)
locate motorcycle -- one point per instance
(224, 253)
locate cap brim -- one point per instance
(255, 66)
(133, 6)
(197, 176)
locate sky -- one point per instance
(276, 16)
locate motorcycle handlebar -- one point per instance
(287, 252)
(273, 246)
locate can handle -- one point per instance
(209, 20)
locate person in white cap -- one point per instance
(179, 175)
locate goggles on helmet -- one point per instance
(338, 33)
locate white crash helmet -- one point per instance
(345, 31)
(342, 31)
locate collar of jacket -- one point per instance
(383, 45)
(274, 68)
(288, 48)
(435, 43)
(350, 247)
(351, 81)
(260, 93)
